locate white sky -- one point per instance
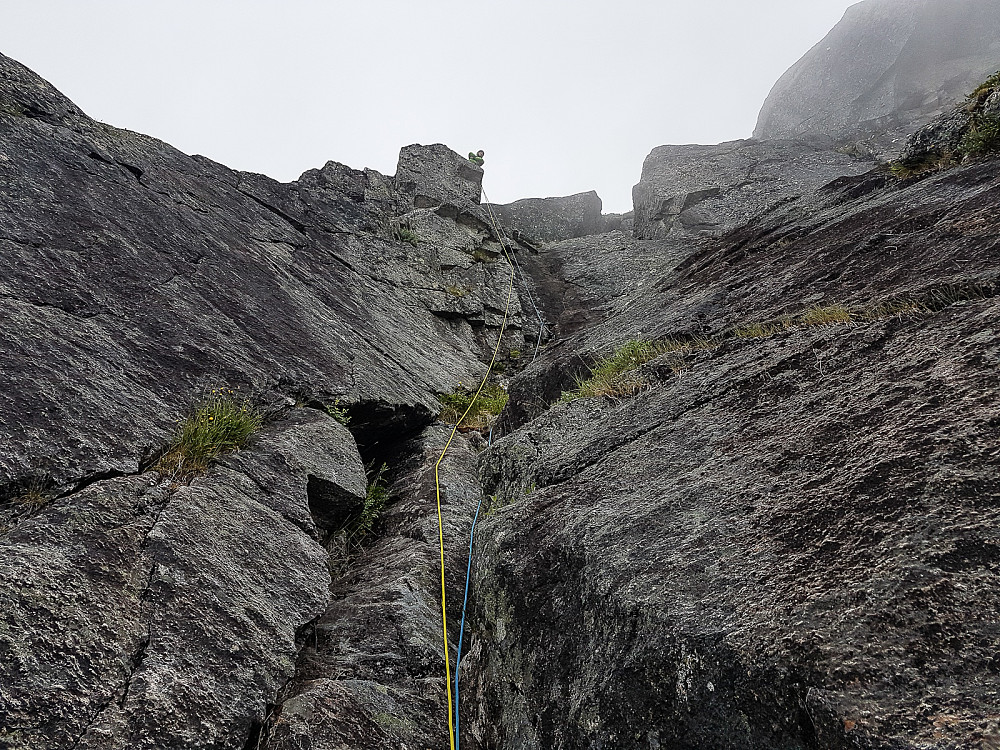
(563, 95)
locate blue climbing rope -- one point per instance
(461, 631)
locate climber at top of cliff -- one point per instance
(477, 158)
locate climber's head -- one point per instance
(480, 153)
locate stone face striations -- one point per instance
(783, 536)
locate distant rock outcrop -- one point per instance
(547, 219)
(888, 67)
(712, 189)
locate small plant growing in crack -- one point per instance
(338, 412)
(821, 316)
(24, 503)
(761, 330)
(376, 498)
(405, 234)
(223, 422)
(30, 500)
(479, 255)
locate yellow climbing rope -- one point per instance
(437, 481)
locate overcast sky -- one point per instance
(563, 95)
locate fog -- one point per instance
(564, 96)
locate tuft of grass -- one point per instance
(338, 412)
(615, 375)
(986, 88)
(514, 354)
(486, 408)
(376, 498)
(982, 137)
(762, 330)
(933, 161)
(32, 499)
(456, 291)
(892, 309)
(220, 424)
(821, 316)
(495, 503)
(483, 256)
(951, 294)
(405, 234)
(12, 109)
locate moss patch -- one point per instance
(478, 414)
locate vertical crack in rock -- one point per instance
(370, 672)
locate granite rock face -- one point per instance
(787, 538)
(698, 190)
(168, 614)
(139, 613)
(888, 67)
(370, 673)
(138, 277)
(789, 543)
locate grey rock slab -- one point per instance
(147, 615)
(760, 551)
(791, 543)
(72, 581)
(546, 219)
(307, 453)
(859, 241)
(138, 277)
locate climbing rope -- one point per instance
(452, 723)
(465, 602)
(505, 243)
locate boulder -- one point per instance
(432, 175)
